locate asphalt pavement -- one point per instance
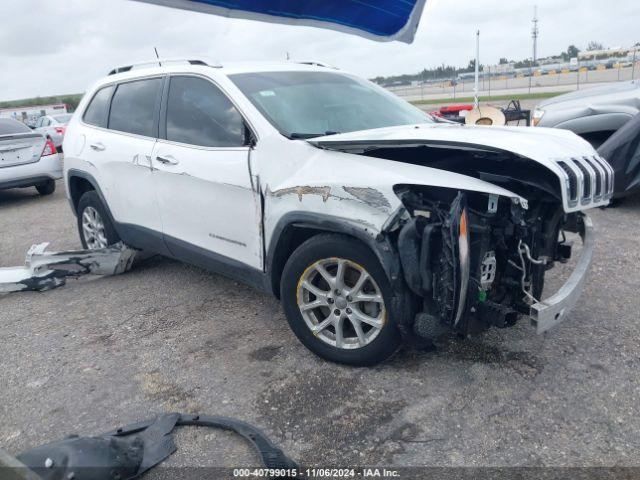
(103, 352)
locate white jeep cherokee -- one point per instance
(371, 221)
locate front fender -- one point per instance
(356, 189)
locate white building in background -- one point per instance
(500, 69)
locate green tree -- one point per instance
(572, 51)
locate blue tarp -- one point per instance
(381, 20)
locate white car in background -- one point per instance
(27, 158)
(53, 127)
(372, 221)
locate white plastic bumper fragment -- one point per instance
(46, 270)
(550, 312)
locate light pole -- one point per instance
(476, 101)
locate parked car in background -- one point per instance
(372, 221)
(622, 151)
(593, 113)
(27, 158)
(53, 127)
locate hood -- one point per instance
(601, 94)
(543, 145)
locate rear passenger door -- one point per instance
(122, 153)
(208, 207)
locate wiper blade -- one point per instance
(304, 136)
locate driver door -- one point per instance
(208, 207)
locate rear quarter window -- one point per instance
(98, 109)
(135, 107)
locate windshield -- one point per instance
(311, 104)
(62, 118)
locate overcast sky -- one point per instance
(62, 46)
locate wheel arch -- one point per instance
(81, 182)
(296, 227)
(78, 186)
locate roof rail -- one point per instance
(160, 62)
(317, 64)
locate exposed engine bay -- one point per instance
(477, 260)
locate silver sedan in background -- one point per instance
(53, 127)
(594, 113)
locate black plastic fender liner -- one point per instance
(431, 231)
(414, 248)
(129, 451)
(409, 251)
(272, 456)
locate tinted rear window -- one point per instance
(135, 107)
(11, 127)
(96, 112)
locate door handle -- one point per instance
(98, 147)
(168, 160)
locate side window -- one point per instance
(46, 122)
(96, 112)
(198, 113)
(135, 106)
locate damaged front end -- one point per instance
(478, 260)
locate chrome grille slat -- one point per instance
(607, 175)
(571, 182)
(601, 178)
(609, 168)
(587, 181)
(579, 177)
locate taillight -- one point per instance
(61, 130)
(49, 148)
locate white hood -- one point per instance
(540, 144)
(545, 146)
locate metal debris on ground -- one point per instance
(46, 270)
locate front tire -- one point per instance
(335, 295)
(46, 188)
(94, 224)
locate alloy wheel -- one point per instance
(341, 303)
(93, 229)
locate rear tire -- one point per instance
(46, 188)
(358, 328)
(94, 224)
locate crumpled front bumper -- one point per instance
(548, 313)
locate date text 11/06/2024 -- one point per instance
(316, 473)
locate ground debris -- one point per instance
(46, 270)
